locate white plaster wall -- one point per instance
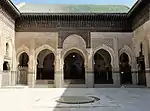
(107, 38)
(7, 35)
(142, 35)
(33, 43)
(99, 38)
(40, 38)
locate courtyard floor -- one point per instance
(44, 99)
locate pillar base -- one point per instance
(116, 78)
(89, 79)
(59, 81)
(1, 79)
(4, 79)
(134, 78)
(31, 80)
(148, 79)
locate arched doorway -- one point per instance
(102, 67)
(125, 69)
(74, 70)
(23, 68)
(45, 66)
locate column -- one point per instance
(134, 72)
(89, 73)
(134, 76)
(1, 53)
(32, 65)
(14, 66)
(59, 77)
(147, 66)
(115, 67)
(134, 64)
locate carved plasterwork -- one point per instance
(99, 41)
(74, 40)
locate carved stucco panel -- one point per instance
(99, 41)
(74, 40)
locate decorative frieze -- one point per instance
(60, 22)
(106, 41)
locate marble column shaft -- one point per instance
(59, 80)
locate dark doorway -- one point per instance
(74, 68)
(102, 67)
(6, 66)
(125, 69)
(23, 68)
(141, 67)
(23, 60)
(45, 67)
(48, 67)
(141, 73)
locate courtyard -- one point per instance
(74, 57)
(44, 99)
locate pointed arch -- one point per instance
(127, 50)
(75, 48)
(21, 50)
(108, 49)
(43, 47)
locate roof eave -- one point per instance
(10, 8)
(134, 7)
(13, 7)
(111, 14)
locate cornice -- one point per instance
(134, 7)
(10, 8)
(57, 22)
(14, 13)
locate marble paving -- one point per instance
(44, 99)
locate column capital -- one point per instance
(58, 52)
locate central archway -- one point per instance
(74, 70)
(102, 67)
(45, 66)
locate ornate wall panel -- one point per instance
(99, 41)
(85, 35)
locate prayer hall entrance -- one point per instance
(74, 71)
